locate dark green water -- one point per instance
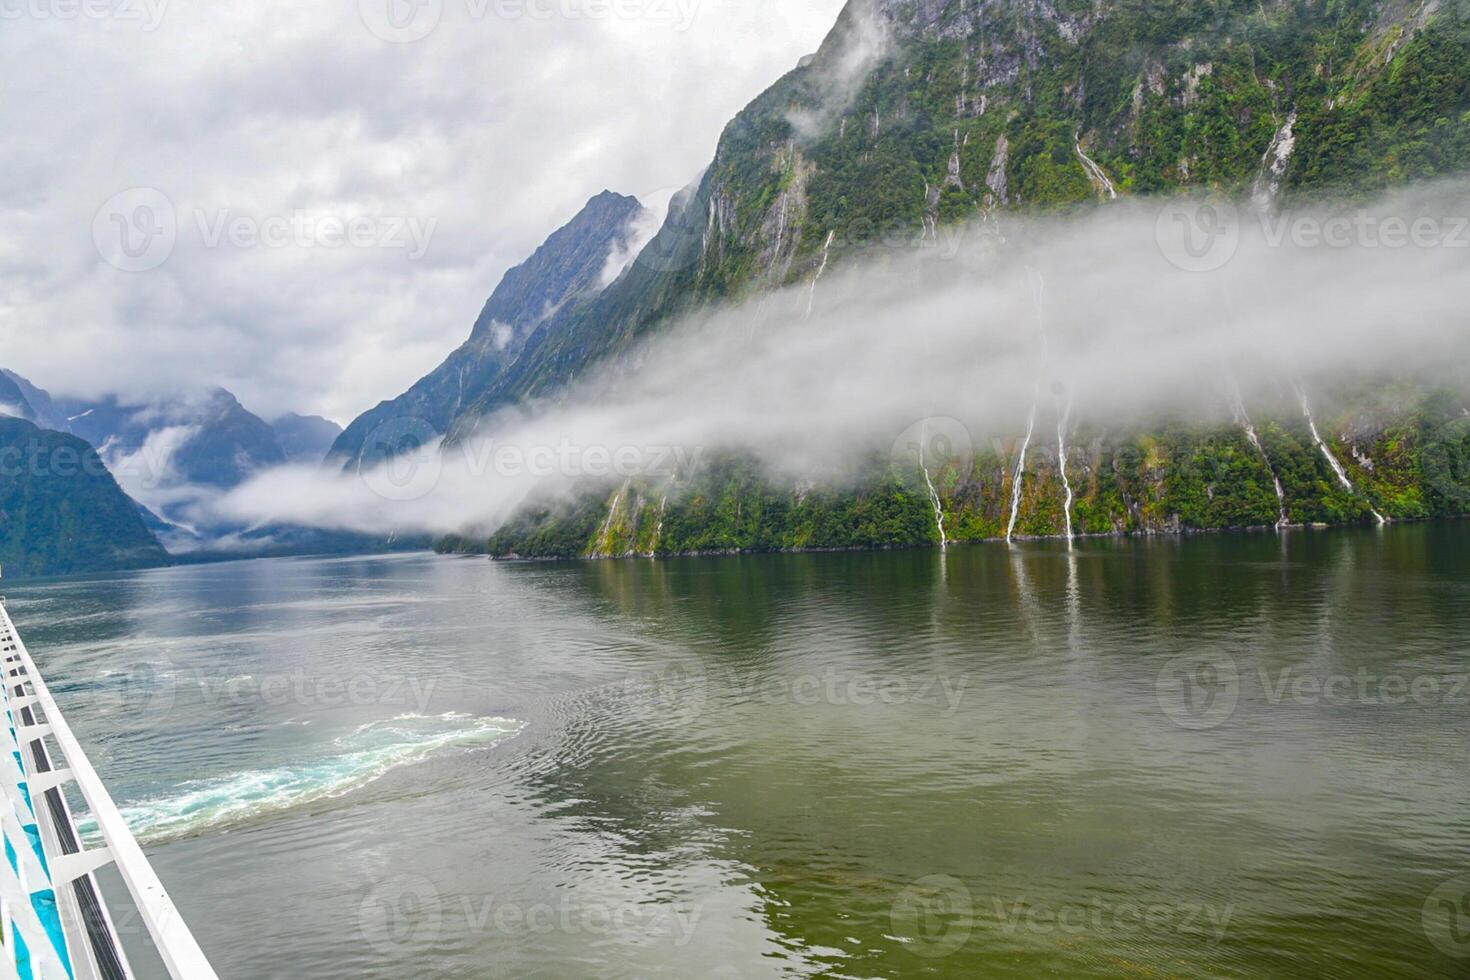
(1223, 756)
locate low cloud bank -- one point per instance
(1133, 312)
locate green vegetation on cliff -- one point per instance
(61, 512)
(1410, 463)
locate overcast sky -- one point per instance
(308, 203)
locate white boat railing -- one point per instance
(53, 920)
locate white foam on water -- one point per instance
(359, 758)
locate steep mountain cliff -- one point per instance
(917, 114)
(61, 512)
(570, 265)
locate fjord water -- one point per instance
(1212, 756)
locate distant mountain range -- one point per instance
(169, 453)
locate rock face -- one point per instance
(568, 267)
(61, 512)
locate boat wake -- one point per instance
(356, 759)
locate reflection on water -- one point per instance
(1180, 757)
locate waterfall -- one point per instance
(1337, 467)
(1094, 172)
(1020, 471)
(826, 251)
(933, 493)
(1244, 421)
(1273, 165)
(1062, 420)
(602, 548)
(658, 531)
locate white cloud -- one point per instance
(1123, 333)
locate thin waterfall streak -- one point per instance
(606, 529)
(826, 253)
(1243, 419)
(1016, 484)
(1094, 172)
(1332, 460)
(1062, 422)
(658, 531)
(933, 493)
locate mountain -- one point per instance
(916, 114)
(206, 438)
(568, 267)
(13, 402)
(61, 512)
(43, 411)
(305, 438)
